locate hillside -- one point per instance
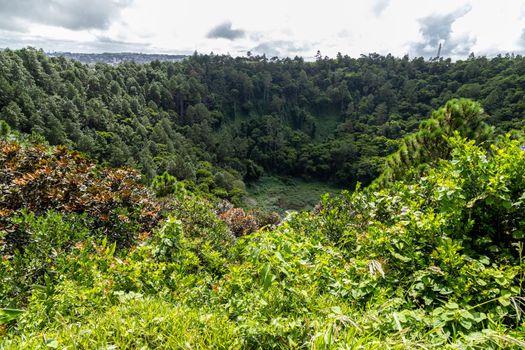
(432, 258)
(218, 122)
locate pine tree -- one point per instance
(429, 144)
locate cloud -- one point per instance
(343, 34)
(225, 31)
(378, 6)
(280, 48)
(437, 29)
(11, 25)
(99, 44)
(70, 14)
(256, 36)
(107, 44)
(521, 40)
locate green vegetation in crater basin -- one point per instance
(280, 194)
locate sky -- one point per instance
(272, 27)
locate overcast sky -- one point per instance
(274, 27)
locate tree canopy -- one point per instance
(211, 117)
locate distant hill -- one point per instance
(115, 58)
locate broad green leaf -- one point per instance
(8, 315)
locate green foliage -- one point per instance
(4, 128)
(7, 315)
(42, 242)
(332, 119)
(419, 150)
(162, 326)
(37, 178)
(434, 262)
(166, 184)
(169, 240)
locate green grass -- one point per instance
(281, 194)
(138, 322)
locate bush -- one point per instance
(43, 243)
(239, 222)
(38, 178)
(434, 262)
(165, 184)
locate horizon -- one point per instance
(305, 58)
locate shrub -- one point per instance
(38, 178)
(165, 184)
(43, 243)
(239, 222)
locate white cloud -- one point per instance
(72, 14)
(378, 6)
(436, 31)
(284, 27)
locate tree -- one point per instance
(462, 117)
(13, 115)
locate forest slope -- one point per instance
(217, 121)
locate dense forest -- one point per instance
(122, 224)
(216, 122)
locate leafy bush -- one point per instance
(166, 184)
(42, 245)
(239, 222)
(38, 178)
